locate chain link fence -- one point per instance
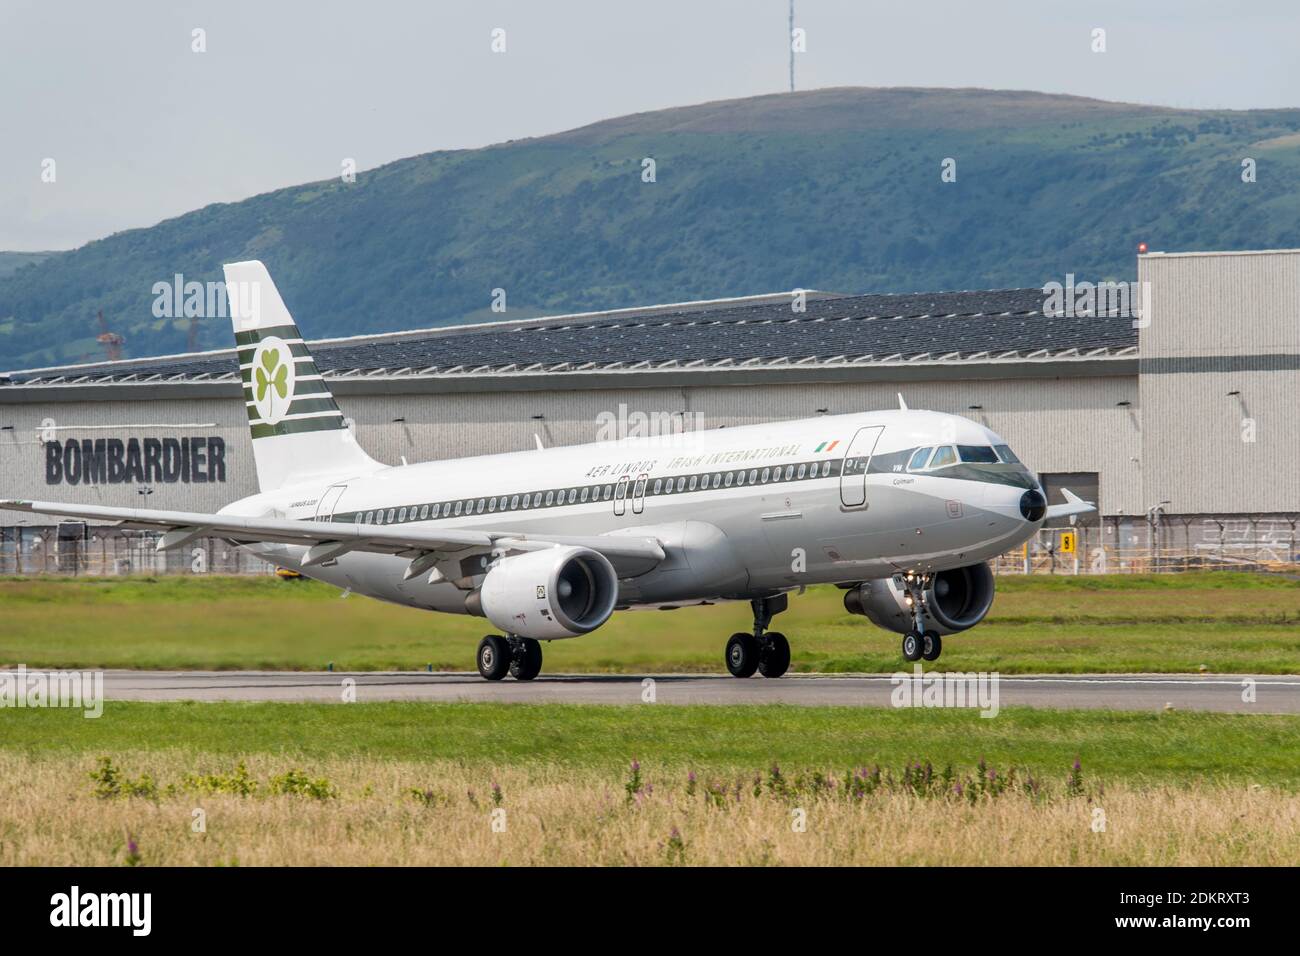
(77, 550)
(1112, 545)
(1123, 545)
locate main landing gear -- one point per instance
(520, 657)
(764, 651)
(919, 643)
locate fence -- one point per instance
(1115, 545)
(108, 551)
(1139, 546)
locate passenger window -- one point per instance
(550, 496)
(492, 505)
(609, 490)
(740, 477)
(424, 512)
(573, 495)
(704, 482)
(659, 483)
(537, 499)
(459, 508)
(767, 473)
(789, 472)
(753, 475)
(943, 456)
(514, 502)
(717, 480)
(919, 458)
(681, 483)
(729, 479)
(826, 468)
(478, 508)
(803, 470)
(977, 454)
(692, 485)
(401, 515)
(370, 517)
(446, 509)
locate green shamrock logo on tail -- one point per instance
(269, 376)
(273, 376)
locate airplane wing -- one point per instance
(1074, 505)
(630, 554)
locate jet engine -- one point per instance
(955, 600)
(548, 594)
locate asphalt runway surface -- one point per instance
(1276, 694)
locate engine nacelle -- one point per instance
(548, 594)
(955, 600)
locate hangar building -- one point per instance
(1176, 411)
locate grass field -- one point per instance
(412, 783)
(1221, 622)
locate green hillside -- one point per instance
(834, 189)
(11, 262)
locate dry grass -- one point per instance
(555, 815)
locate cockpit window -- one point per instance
(943, 455)
(919, 458)
(978, 454)
(1006, 454)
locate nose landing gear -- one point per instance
(919, 642)
(764, 651)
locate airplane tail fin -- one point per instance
(297, 429)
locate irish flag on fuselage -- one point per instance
(827, 445)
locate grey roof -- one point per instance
(762, 331)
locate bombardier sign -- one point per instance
(116, 461)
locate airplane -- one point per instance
(900, 508)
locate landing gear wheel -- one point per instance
(494, 656)
(743, 652)
(774, 655)
(913, 646)
(931, 646)
(527, 662)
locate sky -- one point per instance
(141, 127)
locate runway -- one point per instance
(1219, 692)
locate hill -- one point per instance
(834, 189)
(11, 262)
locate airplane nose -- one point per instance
(1033, 505)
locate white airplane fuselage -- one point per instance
(741, 511)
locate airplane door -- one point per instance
(853, 477)
(638, 494)
(328, 501)
(620, 496)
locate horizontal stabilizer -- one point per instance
(1074, 505)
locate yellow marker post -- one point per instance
(1069, 542)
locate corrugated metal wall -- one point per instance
(1069, 424)
(1222, 323)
